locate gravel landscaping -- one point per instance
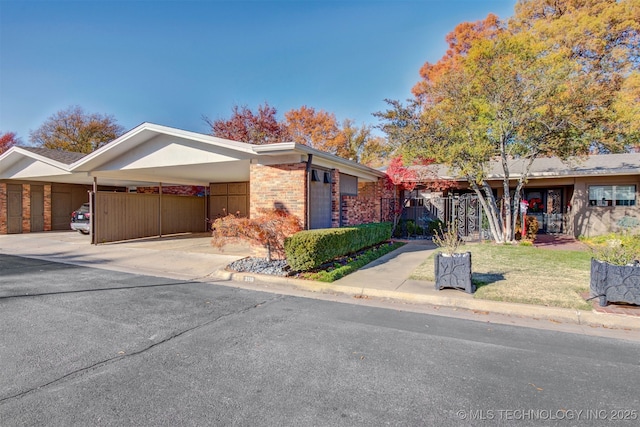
(276, 267)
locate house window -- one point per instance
(612, 195)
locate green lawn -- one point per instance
(525, 274)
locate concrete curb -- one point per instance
(554, 314)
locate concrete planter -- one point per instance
(615, 283)
(454, 271)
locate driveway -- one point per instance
(188, 256)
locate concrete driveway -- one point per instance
(185, 257)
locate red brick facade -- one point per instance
(26, 208)
(367, 206)
(281, 186)
(335, 198)
(3, 208)
(363, 208)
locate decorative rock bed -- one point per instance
(276, 267)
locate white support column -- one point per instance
(160, 209)
(92, 211)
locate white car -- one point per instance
(80, 219)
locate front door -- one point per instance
(553, 219)
(546, 206)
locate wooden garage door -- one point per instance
(14, 208)
(37, 208)
(229, 197)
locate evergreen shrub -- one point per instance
(311, 248)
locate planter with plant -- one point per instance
(452, 268)
(615, 270)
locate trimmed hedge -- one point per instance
(311, 248)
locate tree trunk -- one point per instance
(490, 209)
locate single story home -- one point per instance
(582, 196)
(39, 188)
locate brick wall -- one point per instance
(363, 208)
(335, 198)
(3, 208)
(367, 205)
(279, 186)
(26, 208)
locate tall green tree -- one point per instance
(519, 92)
(75, 130)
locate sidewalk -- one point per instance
(192, 258)
(388, 278)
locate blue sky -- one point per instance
(170, 62)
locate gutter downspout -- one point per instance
(308, 201)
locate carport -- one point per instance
(157, 156)
(147, 156)
(124, 181)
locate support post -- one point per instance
(160, 208)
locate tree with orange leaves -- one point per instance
(316, 129)
(460, 41)
(556, 80)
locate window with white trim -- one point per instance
(612, 195)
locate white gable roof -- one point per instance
(151, 153)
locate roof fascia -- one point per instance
(154, 130)
(292, 147)
(19, 152)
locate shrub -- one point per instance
(311, 248)
(407, 227)
(448, 239)
(615, 248)
(269, 229)
(338, 272)
(532, 228)
(435, 225)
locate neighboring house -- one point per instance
(584, 196)
(39, 188)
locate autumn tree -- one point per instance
(316, 129)
(8, 140)
(269, 229)
(75, 130)
(321, 130)
(517, 91)
(244, 125)
(358, 143)
(603, 38)
(402, 180)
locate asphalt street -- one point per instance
(82, 346)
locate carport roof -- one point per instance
(150, 154)
(66, 157)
